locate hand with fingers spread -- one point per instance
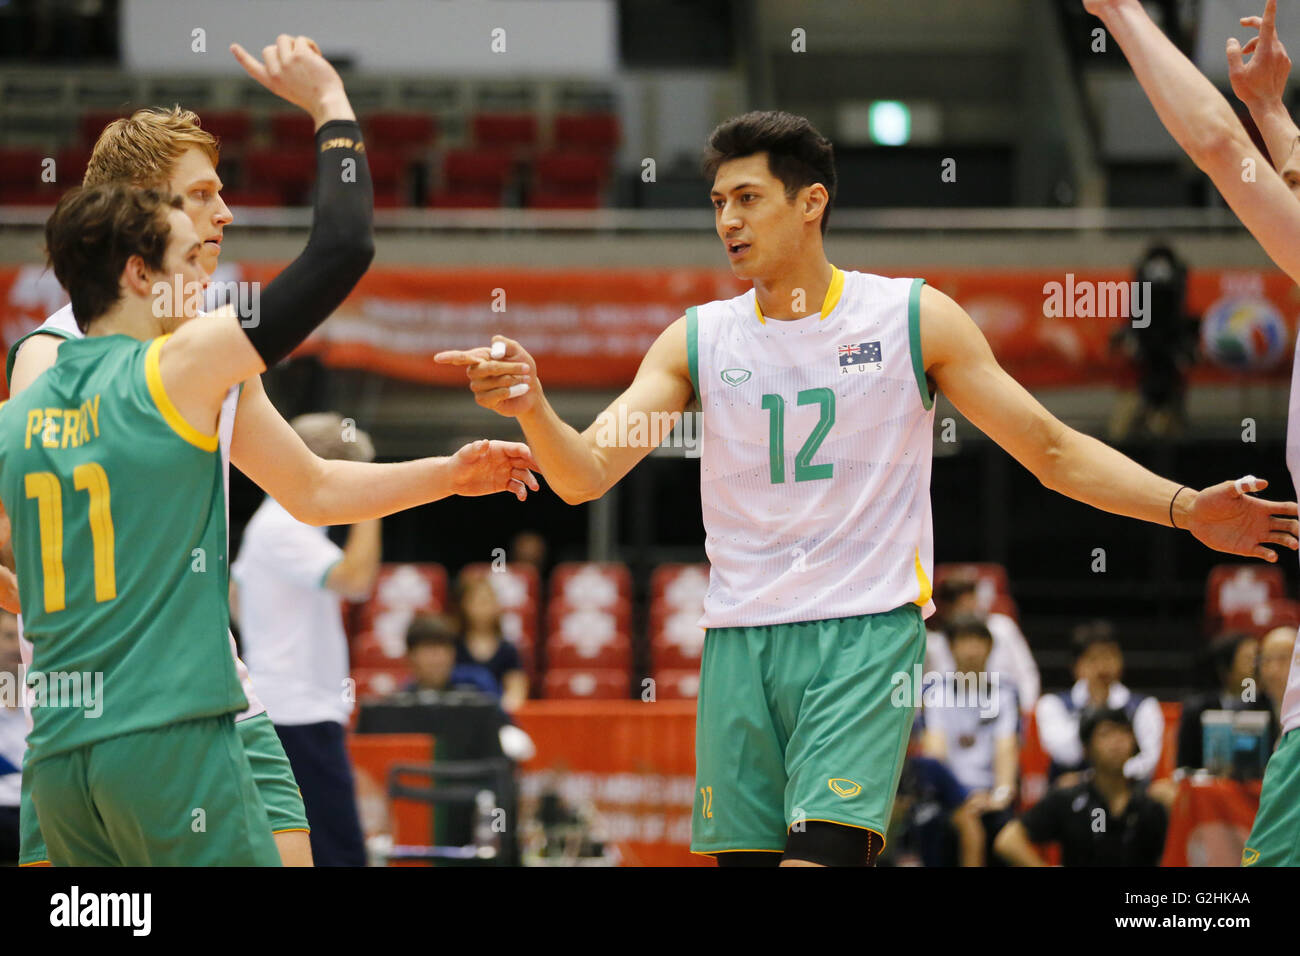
(1263, 78)
(1226, 518)
(294, 70)
(485, 467)
(502, 377)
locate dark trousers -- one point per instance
(319, 759)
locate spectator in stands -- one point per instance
(431, 653)
(1233, 657)
(1275, 653)
(529, 547)
(957, 596)
(934, 823)
(1106, 819)
(1098, 666)
(483, 642)
(13, 737)
(972, 727)
(286, 586)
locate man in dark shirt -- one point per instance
(431, 654)
(1233, 657)
(1105, 820)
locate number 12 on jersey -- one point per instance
(44, 486)
(804, 470)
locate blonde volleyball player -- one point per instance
(1206, 127)
(169, 149)
(817, 391)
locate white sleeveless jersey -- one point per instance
(1291, 699)
(63, 324)
(816, 442)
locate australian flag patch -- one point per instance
(860, 356)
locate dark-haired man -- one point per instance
(817, 394)
(1106, 819)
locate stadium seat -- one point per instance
(1258, 619)
(251, 197)
(593, 684)
(379, 681)
(568, 180)
(677, 684)
(1231, 588)
(71, 164)
(287, 171)
(293, 130)
(676, 638)
(587, 636)
(399, 133)
(232, 128)
(590, 131)
(92, 123)
(591, 583)
(473, 178)
(402, 591)
(991, 581)
(518, 590)
(516, 132)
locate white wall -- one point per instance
(569, 37)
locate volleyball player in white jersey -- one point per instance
(169, 148)
(1207, 128)
(817, 390)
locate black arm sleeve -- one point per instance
(337, 253)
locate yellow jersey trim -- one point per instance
(923, 582)
(833, 293)
(293, 830)
(170, 414)
(36, 863)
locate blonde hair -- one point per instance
(329, 435)
(143, 149)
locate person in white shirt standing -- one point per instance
(286, 586)
(13, 737)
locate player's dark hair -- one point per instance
(968, 624)
(430, 629)
(953, 587)
(797, 154)
(1094, 717)
(1090, 634)
(92, 233)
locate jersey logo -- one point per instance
(860, 357)
(844, 788)
(736, 376)
(1248, 856)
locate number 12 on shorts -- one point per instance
(804, 470)
(706, 802)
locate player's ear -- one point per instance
(815, 198)
(137, 277)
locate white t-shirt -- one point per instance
(969, 730)
(1010, 657)
(290, 622)
(13, 741)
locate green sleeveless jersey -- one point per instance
(117, 506)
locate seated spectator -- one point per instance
(1098, 666)
(933, 821)
(13, 737)
(1106, 819)
(1274, 667)
(1011, 658)
(431, 655)
(1233, 657)
(972, 727)
(483, 642)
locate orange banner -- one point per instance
(1209, 822)
(590, 328)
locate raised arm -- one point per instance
(580, 467)
(1260, 84)
(958, 358)
(1207, 129)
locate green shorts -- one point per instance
(31, 848)
(272, 774)
(177, 795)
(801, 722)
(1275, 837)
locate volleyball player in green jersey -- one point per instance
(817, 392)
(1207, 128)
(130, 485)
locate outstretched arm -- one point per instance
(1223, 517)
(1207, 129)
(1260, 84)
(581, 467)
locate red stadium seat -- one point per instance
(585, 636)
(251, 197)
(367, 651)
(518, 591)
(232, 128)
(592, 684)
(21, 167)
(402, 591)
(399, 133)
(1261, 618)
(991, 580)
(679, 585)
(473, 178)
(292, 130)
(92, 123)
(574, 169)
(1240, 587)
(560, 197)
(71, 164)
(590, 131)
(677, 684)
(286, 171)
(511, 131)
(374, 682)
(591, 583)
(676, 638)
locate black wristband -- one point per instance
(1171, 507)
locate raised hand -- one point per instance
(485, 467)
(502, 377)
(1224, 517)
(1263, 78)
(294, 70)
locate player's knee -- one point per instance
(833, 844)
